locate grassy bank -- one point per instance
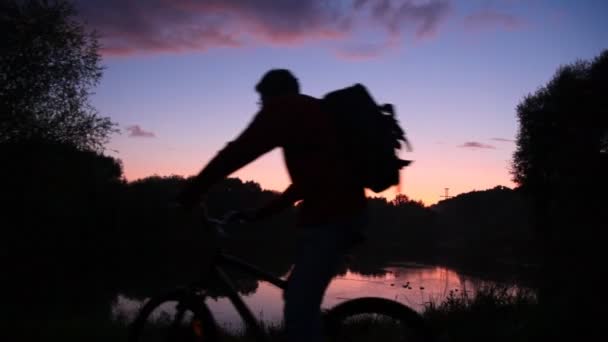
(493, 314)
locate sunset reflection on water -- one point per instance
(411, 285)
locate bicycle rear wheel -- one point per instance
(375, 319)
(175, 316)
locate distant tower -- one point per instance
(446, 196)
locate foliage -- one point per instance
(49, 64)
(563, 126)
(561, 163)
(493, 313)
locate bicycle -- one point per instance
(191, 319)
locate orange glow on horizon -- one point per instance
(424, 181)
(415, 192)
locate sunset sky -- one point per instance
(180, 74)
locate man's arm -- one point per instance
(262, 135)
(290, 196)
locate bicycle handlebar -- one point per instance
(215, 225)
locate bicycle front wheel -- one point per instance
(375, 319)
(175, 316)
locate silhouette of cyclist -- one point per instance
(332, 213)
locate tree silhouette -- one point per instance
(48, 64)
(560, 162)
(401, 199)
(562, 125)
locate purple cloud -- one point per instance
(137, 132)
(503, 140)
(476, 145)
(365, 51)
(160, 26)
(490, 19)
(425, 16)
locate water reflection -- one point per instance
(411, 285)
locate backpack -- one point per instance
(369, 134)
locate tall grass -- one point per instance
(493, 313)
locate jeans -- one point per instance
(319, 253)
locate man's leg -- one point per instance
(318, 256)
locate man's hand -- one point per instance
(190, 197)
(245, 216)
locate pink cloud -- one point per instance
(503, 140)
(131, 27)
(476, 145)
(490, 19)
(137, 132)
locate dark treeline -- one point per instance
(561, 164)
(77, 234)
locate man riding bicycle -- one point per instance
(332, 213)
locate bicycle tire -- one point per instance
(406, 324)
(201, 327)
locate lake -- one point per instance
(410, 284)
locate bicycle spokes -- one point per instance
(197, 330)
(172, 323)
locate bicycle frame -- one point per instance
(225, 283)
(215, 278)
(214, 275)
